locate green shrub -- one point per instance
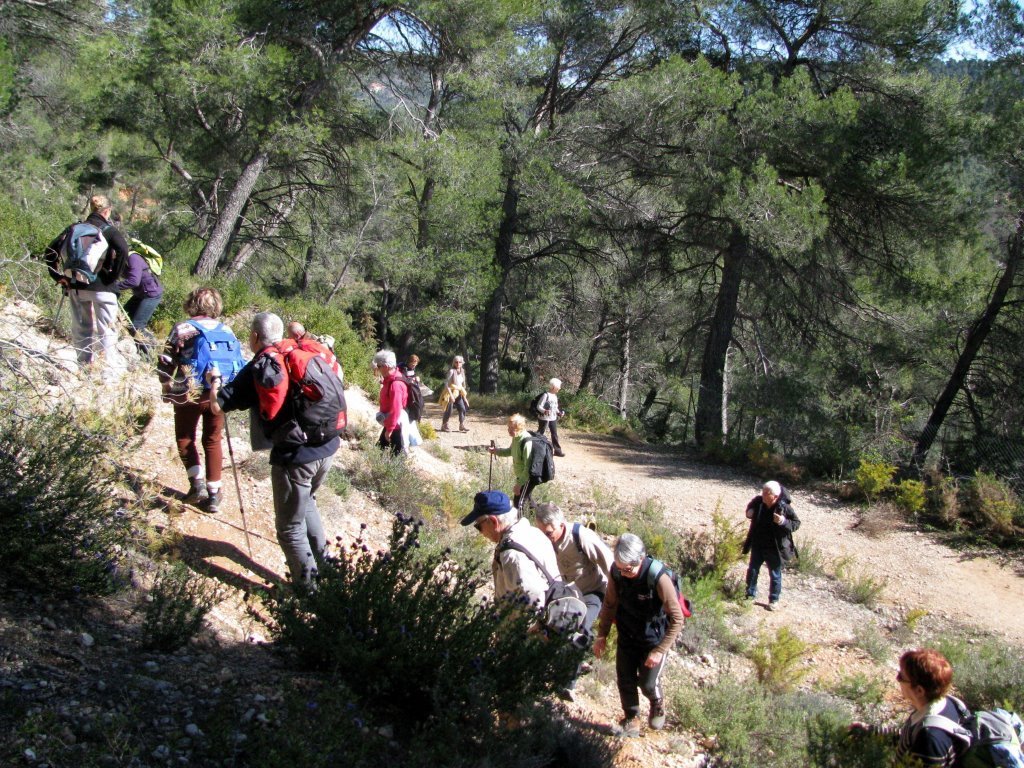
(810, 560)
(749, 726)
(177, 604)
(583, 410)
(986, 671)
(391, 480)
(992, 503)
(405, 631)
(858, 586)
(777, 659)
(830, 744)
(712, 552)
(868, 637)
(62, 528)
(863, 690)
(873, 476)
(427, 431)
(910, 496)
(338, 481)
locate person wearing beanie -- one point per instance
(515, 572)
(770, 539)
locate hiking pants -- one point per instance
(758, 557)
(522, 500)
(541, 424)
(461, 408)
(300, 532)
(93, 325)
(140, 310)
(395, 444)
(186, 419)
(630, 673)
(593, 602)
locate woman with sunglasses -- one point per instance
(931, 733)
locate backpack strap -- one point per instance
(654, 573)
(576, 538)
(506, 545)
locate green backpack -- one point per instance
(153, 260)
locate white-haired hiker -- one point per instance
(550, 413)
(455, 395)
(649, 619)
(770, 539)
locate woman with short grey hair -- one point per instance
(645, 607)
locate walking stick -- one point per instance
(490, 470)
(238, 486)
(60, 306)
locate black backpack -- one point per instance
(542, 458)
(535, 405)
(414, 403)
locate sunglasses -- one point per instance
(479, 524)
(901, 678)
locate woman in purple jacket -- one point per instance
(146, 294)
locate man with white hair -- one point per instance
(515, 572)
(299, 461)
(549, 413)
(770, 539)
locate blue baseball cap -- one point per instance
(488, 503)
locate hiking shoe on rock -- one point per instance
(197, 492)
(657, 718)
(628, 728)
(213, 502)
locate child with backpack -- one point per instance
(193, 346)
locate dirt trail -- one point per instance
(919, 572)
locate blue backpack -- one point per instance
(214, 346)
(83, 252)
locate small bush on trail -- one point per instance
(405, 630)
(811, 561)
(992, 504)
(870, 639)
(910, 496)
(749, 726)
(390, 478)
(863, 690)
(703, 552)
(942, 499)
(858, 587)
(62, 528)
(178, 602)
(879, 519)
(873, 476)
(776, 659)
(831, 745)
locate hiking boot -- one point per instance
(657, 718)
(773, 605)
(213, 501)
(559, 453)
(463, 429)
(628, 728)
(567, 694)
(197, 491)
(444, 428)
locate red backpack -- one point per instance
(314, 410)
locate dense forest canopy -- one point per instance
(788, 221)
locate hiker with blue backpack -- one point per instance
(643, 602)
(941, 732)
(192, 347)
(86, 260)
(584, 560)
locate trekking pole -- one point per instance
(60, 306)
(234, 471)
(238, 486)
(490, 470)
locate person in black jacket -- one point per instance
(770, 538)
(94, 305)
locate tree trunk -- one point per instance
(708, 422)
(625, 362)
(595, 347)
(267, 229)
(215, 248)
(975, 338)
(491, 340)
